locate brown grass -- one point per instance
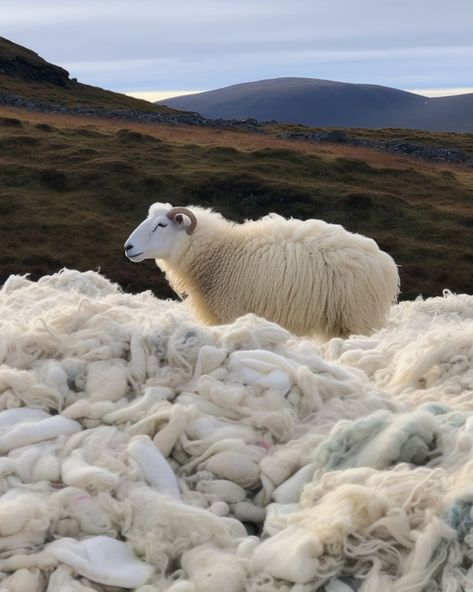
(72, 188)
(243, 141)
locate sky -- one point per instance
(171, 47)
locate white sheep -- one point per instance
(310, 277)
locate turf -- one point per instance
(446, 140)
(72, 189)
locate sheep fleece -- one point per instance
(309, 277)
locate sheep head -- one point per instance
(161, 234)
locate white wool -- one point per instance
(423, 354)
(54, 375)
(101, 559)
(24, 580)
(37, 462)
(211, 570)
(262, 368)
(202, 430)
(88, 411)
(222, 489)
(155, 468)
(75, 511)
(140, 407)
(13, 417)
(233, 466)
(290, 555)
(249, 512)
(165, 424)
(290, 490)
(20, 512)
(234, 449)
(29, 432)
(220, 508)
(276, 516)
(77, 472)
(162, 528)
(61, 580)
(106, 380)
(207, 407)
(180, 586)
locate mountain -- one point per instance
(325, 103)
(25, 76)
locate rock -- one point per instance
(424, 152)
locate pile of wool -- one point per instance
(143, 451)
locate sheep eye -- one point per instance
(159, 224)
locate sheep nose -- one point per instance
(128, 248)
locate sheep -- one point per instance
(311, 277)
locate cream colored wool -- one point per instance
(156, 470)
(235, 449)
(25, 580)
(308, 276)
(36, 430)
(77, 472)
(415, 356)
(75, 511)
(211, 570)
(33, 463)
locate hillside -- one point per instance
(325, 103)
(72, 189)
(25, 75)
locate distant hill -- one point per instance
(24, 74)
(324, 103)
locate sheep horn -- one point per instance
(179, 210)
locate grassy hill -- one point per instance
(25, 74)
(72, 189)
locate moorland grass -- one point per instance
(72, 189)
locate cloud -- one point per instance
(435, 92)
(210, 43)
(402, 67)
(160, 95)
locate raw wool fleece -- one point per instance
(142, 451)
(310, 277)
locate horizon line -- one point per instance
(161, 95)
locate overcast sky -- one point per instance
(187, 45)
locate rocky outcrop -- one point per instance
(22, 63)
(405, 148)
(183, 118)
(19, 68)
